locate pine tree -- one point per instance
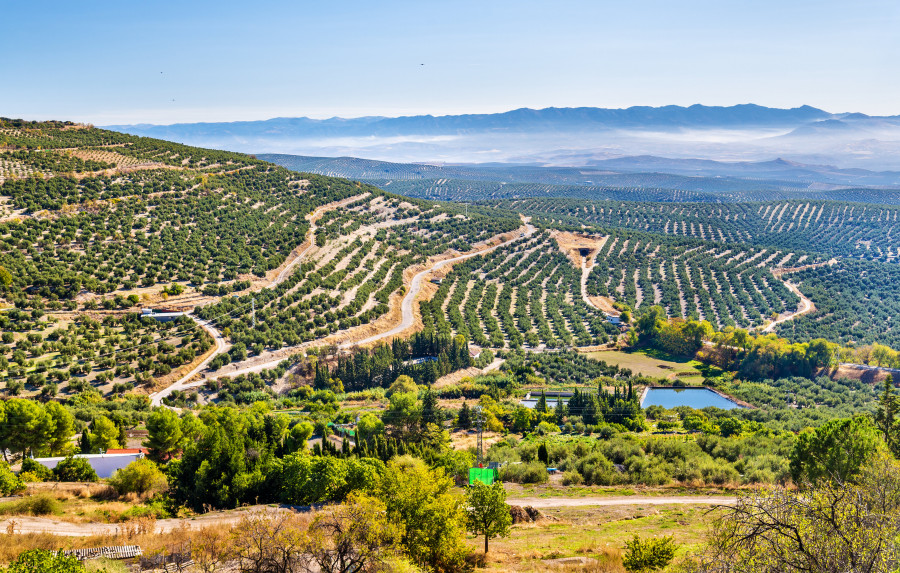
(543, 455)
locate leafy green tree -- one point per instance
(431, 515)
(104, 434)
(643, 556)
(488, 514)
(834, 451)
(831, 526)
(164, 434)
(6, 277)
(354, 536)
(370, 426)
(140, 476)
(402, 385)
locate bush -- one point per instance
(42, 561)
(9, 482)
(533, 472)
(572, 477)
(140, 476)
(74, 469)
(36, 471)
(545, 428)
(41, 504)
(648, 555)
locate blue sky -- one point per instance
(163, 62)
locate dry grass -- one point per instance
(590, 538)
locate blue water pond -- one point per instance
(696, 398)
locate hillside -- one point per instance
(279, 339)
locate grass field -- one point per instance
(595, 533)
(655, 366)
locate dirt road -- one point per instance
(408, 317)
(806, 306)
(182, 383)
(27, 524)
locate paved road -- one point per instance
(27, 524)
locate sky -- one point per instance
(165, 62)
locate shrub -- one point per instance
(41, 561)
(36, 471)
(41, 504)
(533, 472)
(74, 469)
(545, 428)
(9, 482)
(572, 477)
(649, 554)
(140, 476)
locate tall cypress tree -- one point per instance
(465, 417)
(541, 405)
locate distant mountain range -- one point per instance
(549, 119)
(567, 136)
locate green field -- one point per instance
(643, 363)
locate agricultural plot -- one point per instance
(527, 294)
(49, 353)
(692, 279)
(856, 302)
(867, 231)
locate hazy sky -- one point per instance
(163, 62)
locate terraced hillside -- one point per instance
(867, 231)
(727, 287)
(106, 226)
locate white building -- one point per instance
(104, 464)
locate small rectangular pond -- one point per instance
(697, 398)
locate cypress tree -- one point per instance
(465, 417)
(541, 405)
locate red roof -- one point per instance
(144, 451)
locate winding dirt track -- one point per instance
(28, 524)
(806, 306)
(181, 383)
(406, 307)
